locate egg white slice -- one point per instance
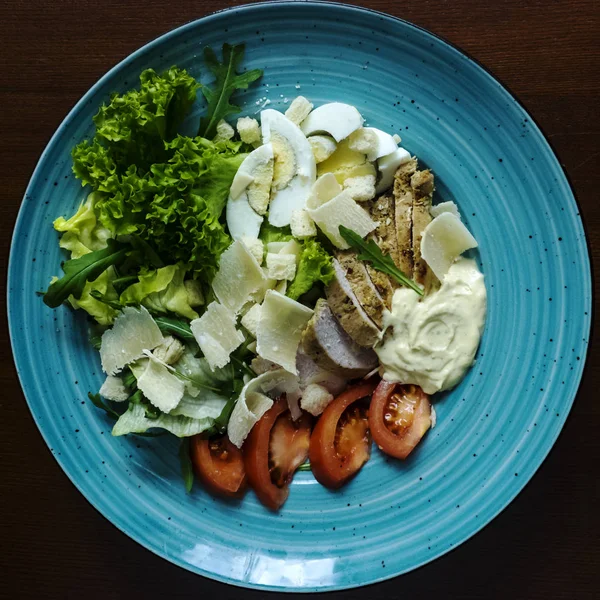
(290, 191)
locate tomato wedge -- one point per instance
(341, 444)
(399, 416)
(273, 451)
(219, 465)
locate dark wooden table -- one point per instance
(53, 544)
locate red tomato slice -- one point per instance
(399, 416)
(341, 444)
(273, 451)
(219, 465)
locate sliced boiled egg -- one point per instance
(345, 163)
(250, 193)
(388, 165)
(337, 119)
(294, 169)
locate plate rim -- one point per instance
(523, 482)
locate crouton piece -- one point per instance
(298, 110)
(248, 129)
(315, 399)
(361, 188)
(281, 266)
(323, 146)
(224, 131)
(302, 225)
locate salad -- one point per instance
(277, 292)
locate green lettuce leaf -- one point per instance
(315, 264)
(79, 271)
(161, 291)
(270, 233)
(227, 81)
(134, 420)
(82, 233)
(135, 124)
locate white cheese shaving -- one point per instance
(216, 334)
(254, 401)
(133, 332)
(443, 207)
(160, 386)
(239, 275)
(342, 210)
(282, 321)
(443, 241)
(114, 389)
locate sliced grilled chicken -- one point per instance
(422, 184)
(326, 342)
(413, 191)
(348, 311)
(365, 291)
(404, 200)
(381, 210)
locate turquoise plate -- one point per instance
(494, 430)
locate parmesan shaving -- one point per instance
(216, 334)
(282, 321)
(133, 332)
(238, 277)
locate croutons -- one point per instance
(255, 247)
(298, 110)
(248, 129)
(302, 225)
(224, 131)
(315, 399)
(250, 319)
(323, 146)
(361, 188)
(363, 140)
(281, 266)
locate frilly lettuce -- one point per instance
(82, 233)
(161, 291)
(315, 264)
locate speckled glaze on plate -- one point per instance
(493, 430)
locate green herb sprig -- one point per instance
(371, 252)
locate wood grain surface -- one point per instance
(53, 544)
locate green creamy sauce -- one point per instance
(433, 342)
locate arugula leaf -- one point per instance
(370, 251)
(187, 472)
(177, 327)
(99, 403)
(79, 271)
(98, 295)
(227, 81)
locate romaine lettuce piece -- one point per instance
(134, 420)
(161, 291)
